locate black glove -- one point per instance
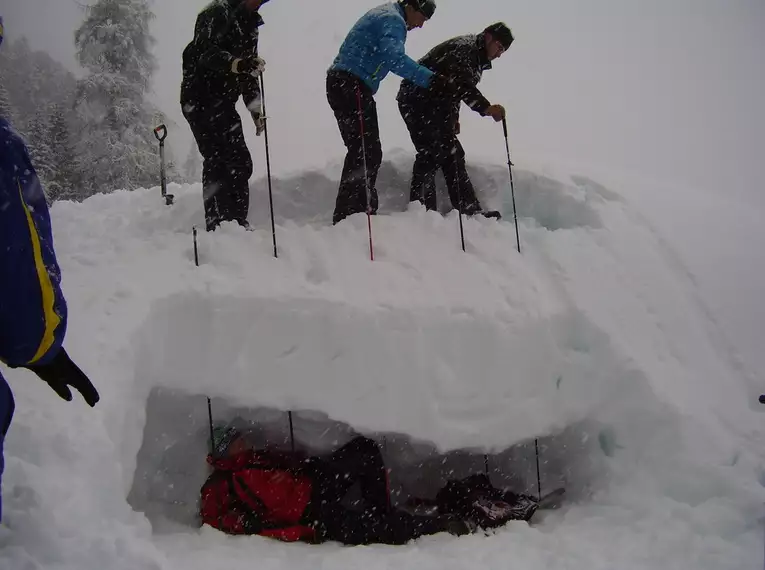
(61, 372)
(252, 65)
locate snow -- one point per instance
(594, 340)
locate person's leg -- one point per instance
(7, 406)
(239, 165)
(423, 184)
(461, 191)
(343, 93)
(372, 145)
(210, 127)
(353, 527)
(361, 461)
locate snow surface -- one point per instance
(594, 340)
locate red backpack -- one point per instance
(254, 492)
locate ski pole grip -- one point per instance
(160, 132)
(504, 126)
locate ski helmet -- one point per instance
(425, 7)
(500, 32)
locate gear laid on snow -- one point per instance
(293, 498)
(474, 498)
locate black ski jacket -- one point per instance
(225, 30)
(462, 59)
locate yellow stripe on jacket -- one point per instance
(52, 320)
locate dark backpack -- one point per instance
(257, 492)
(474, 498)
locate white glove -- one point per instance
(260, 123)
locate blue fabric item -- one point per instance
(375, 47)
(32, 308)
(6, 414)
(33, 311)
(2, 30)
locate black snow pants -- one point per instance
(227, 165)
(346, 93)
(433, 134)
(371, 520)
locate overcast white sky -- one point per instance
(656, 90)
(674, 88)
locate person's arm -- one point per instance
(456, 66)
(33, 312)
(211, 26)
(392, 45)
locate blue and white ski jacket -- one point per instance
(375, 47)
(33, 311)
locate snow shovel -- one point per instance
(161, 133)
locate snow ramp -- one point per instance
(591, 342)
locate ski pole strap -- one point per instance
(160, 132)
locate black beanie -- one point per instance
(501, 33)
(426, 7)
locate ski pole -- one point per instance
(196, 250)
(512, 190)
(539, 479)
(268, 158)
(459, 211)
(212, 433)
(161, 133)
(292, 432)
(366, 174)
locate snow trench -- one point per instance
(445, 393)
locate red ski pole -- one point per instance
(366, 176)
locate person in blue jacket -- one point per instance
(33, 312)
(373, 48)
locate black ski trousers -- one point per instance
(353, 103)
(227, 165)
(434, 137)
(370, 520)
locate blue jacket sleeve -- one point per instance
(33, 311)
(392, 45)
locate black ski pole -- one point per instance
(539, 478)
(268, 159)
(459, 212)
(512, 190)
(161, 133)
(292, 433)
(212, 433)
(196, 250)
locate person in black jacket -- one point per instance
(219, 65)
(432, 114)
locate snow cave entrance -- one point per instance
(394, 375)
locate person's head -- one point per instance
(417, 12)
(254, 5)
(498, 38)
